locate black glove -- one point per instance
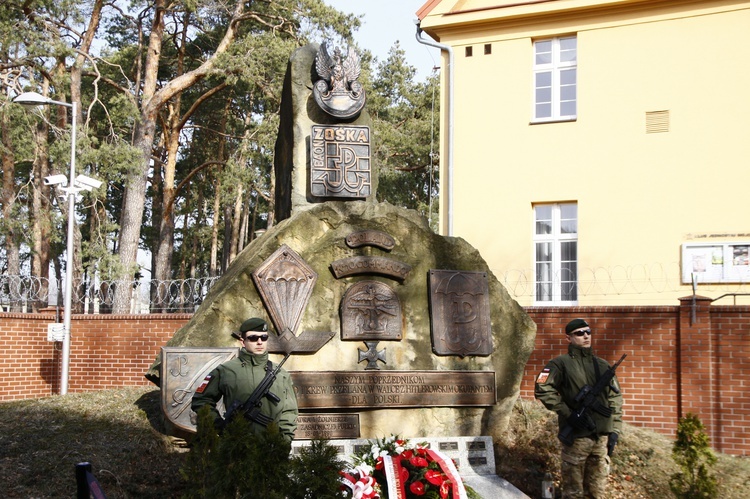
(611, 442)
(581, 421)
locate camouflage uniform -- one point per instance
(585, 464)
(237, 379)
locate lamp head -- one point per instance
(31, 99)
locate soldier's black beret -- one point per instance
(575, 324)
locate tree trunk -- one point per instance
(41, 209)
(75, 96)
(236, 222)
(213, 264)
(8, 200)
(151, 101)
(134, 197)
(165, 245)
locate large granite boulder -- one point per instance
(318, 235)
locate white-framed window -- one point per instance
(556, 254)
(555, 79)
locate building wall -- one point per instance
(687, 358)
(640, 195)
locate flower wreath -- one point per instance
(393, 468)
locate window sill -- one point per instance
(554, 120)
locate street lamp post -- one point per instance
(35, 99)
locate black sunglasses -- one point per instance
(255, 337)
(582, 332)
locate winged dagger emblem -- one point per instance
(338, 91)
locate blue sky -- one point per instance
(386, 21)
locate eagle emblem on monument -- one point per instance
(338, 92)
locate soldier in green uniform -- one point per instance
(236, 380)
(585, 463)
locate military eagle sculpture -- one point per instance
(338, 92)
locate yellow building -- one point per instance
(599, 150)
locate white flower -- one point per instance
(363, 469)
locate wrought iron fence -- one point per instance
(31, 294)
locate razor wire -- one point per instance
(619, 280)
(31, 294)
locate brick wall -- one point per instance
(692, 357)
(106, 351)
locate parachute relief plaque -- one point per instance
(460, 313)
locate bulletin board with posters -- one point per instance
(716, 262)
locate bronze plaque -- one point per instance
(381, 389)
(182, 371)
(460, 313)
(340, 161)
(338, 92)
(285, 282)
(370, 310)
(376, 238)
(370, 265)
(328, 426)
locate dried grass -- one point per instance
(121, 433)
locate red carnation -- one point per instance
(417, 488)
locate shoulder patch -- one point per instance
(543, 376)
(203, 384)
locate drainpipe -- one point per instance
(449, 120)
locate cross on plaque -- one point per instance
(371, 355)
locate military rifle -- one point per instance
(586, 401)
(251, 407)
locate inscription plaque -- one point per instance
(460, 313)
(310, 426)
(370, 310)
(376, 238)
(444, 446)
(380, 389)
(370, 265)
(340, 161)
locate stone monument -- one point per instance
(392, 329)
